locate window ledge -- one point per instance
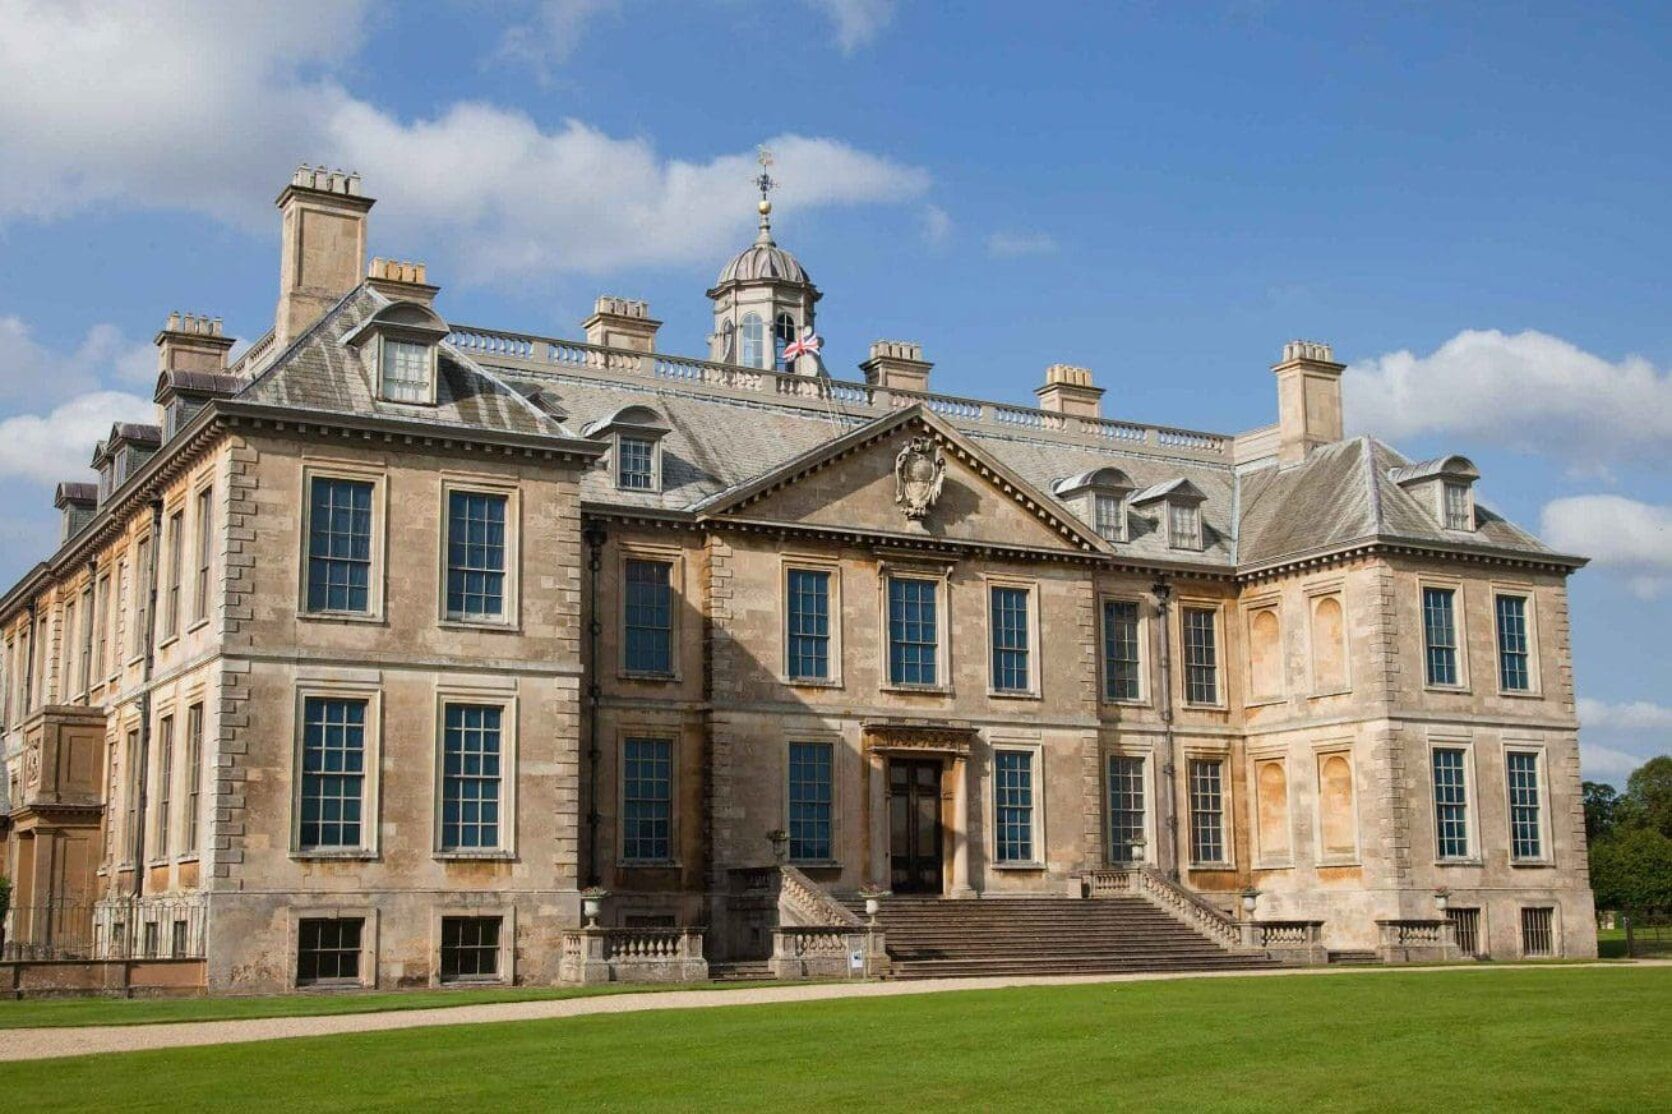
(817, 864)
(1265, 701)
(166, 642)
(917, 690)
(1287, 865)
(1459, 862)
(1520, 694)
(1213, 866)
(647, 864)
(1450, 690)
(1192, 706)
(810, 683)
(1533, 864)
(476, 856)
(501, 626)
(1125, 703)
(1019, 866)
(1013, 694)
(340, 617)
(152, 864)
(198, 624)
(347, 854)
(1330, 692)
(189, 857)
(659, 678)
(1323, 863)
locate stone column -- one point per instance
(876, 771)
(961, 827)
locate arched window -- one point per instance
(754, 341)
(783, 334)
(728, 343)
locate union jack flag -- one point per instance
(808, 345)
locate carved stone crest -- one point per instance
(919, 472)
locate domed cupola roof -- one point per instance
(763, 261)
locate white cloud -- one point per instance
(1617, 533)
(35, 373)
(210, 109)
(937, 226)
(554, 33)
(1009, 245)
(857, 21)
(59, 445)
(1638, 715)
(1600, 763)
(1531, 392)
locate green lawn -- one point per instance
(30, 1013)
(1561, 1038)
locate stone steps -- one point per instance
(745, 971)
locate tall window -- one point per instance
(1120, 650)
(1451, 804)
(811, 799)
(406, 371)
(912, 634)
(205, 553)
(194, 776)
(470, 787)
(328, 950)
(1010, 639)
(1207, 810)
(1201, 659)
(783, 335)
(101, 624)
(475, 555)
(1525, 830)
(142, 597)
(635, 463)
(649, 617)
(333, 772)
(647, 801)
(1513, 675)
(1538, 931)
(66, 673)
(130, 826)
(1184, 526)
(117, 614)
(469, 948)
(175, 554)
(84, 674)
(754, 341)
(1457, 507)
(808, 615)
(1109, 517)
(1126, 809)
(1013, 805)
(165, 784)
(1439, 629)
(339, 545)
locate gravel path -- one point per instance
(38, 1044)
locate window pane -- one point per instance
(475, 554)
(469, 947)
(1184, 526)
(339, 545)
(1512, 644)
(647, 800)
(1524, 828)
(406, 371)
(1440, 635)
(1457, 508)
(1010, 639)
(649, 617)
(328, 950)
(635, 457)
(471, 777)
(1109, 516)
(1013, 789)
(811, 796)
(1201, 665)
(808, 611)
(912, 638)
(1451, 805)
(333, 772)
(1207, 820)
(1120, 650)
(1126, 809)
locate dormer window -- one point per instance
(1459, 507)
(1109, 516)
(407, 371)
(635, 463)
(1098, 497)
(1446, 485)
(1180, 514)
(1184, 526)
(636, 434)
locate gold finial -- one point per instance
(764, 183)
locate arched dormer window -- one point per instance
(753, 341)
(1447, 484)
(783, 335)
(1098, 497)
(635, 433)
(399, 344)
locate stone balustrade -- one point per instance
(598, 955)
(827, 952)
(1172, 899)
(1300, 942)
(1418, 941)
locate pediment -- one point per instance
(850, 485)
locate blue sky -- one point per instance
(1468, 203)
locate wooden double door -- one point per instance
(914, 825)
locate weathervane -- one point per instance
(765, 183)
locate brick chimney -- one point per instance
(621, 323)
(1068, 390)
(400, 281)
(1308, 399)
(323, 251)
(897, 365)
(189, 342)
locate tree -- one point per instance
(1649, 788)
(1602, 802)
(1632, 870)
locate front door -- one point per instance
(914, 825)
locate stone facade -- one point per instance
(1205, 654)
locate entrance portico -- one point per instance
(918, 807)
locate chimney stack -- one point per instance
(897, 365)
(1068, 390)
(1308, 399)
(621, 323)
(400, 281)
(323, 251)
(189, 342)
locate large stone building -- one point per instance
(375, 648)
